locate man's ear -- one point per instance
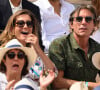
(71, 25)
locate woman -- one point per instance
(15, 61)
(23, 26)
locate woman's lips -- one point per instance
(25, 33)
(15, 65)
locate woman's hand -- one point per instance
(46, 80)
(10, 85)
(33, 40)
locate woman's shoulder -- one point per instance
(3, 81)
(1, 74)
(2, 77)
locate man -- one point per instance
(55, 19)
(72, 54)
(9, 7)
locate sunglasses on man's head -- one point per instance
(21, 23)
(11, 55)
(80, 18)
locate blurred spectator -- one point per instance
(96, 4)
(96, 34)
(8, 7)
(55, 19)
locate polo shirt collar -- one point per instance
(74, 44)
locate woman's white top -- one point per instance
(3, 81)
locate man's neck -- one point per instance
(83, 43)
(15, 2)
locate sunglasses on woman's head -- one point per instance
(11, 55)
(80, 18)
(21, 23)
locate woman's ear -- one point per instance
(13, 31)
(3, 60)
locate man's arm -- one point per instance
(61, 82)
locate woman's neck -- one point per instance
(22, 42)
(11, 77)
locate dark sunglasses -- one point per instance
(87, 19)
(20, 55)
(21, 23)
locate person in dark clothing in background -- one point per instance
(8, 7)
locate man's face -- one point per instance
(83, 24)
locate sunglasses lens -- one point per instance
(11, 55)
(20, 55)
(79, 19)
(29, 23)
(20, 23)
(88, 19)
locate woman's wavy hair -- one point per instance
(8, 33)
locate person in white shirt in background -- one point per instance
(55, 19)
(96, 34)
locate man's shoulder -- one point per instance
(60, 40)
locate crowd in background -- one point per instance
(49, 45)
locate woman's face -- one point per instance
(23, 27)
(14, 61)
